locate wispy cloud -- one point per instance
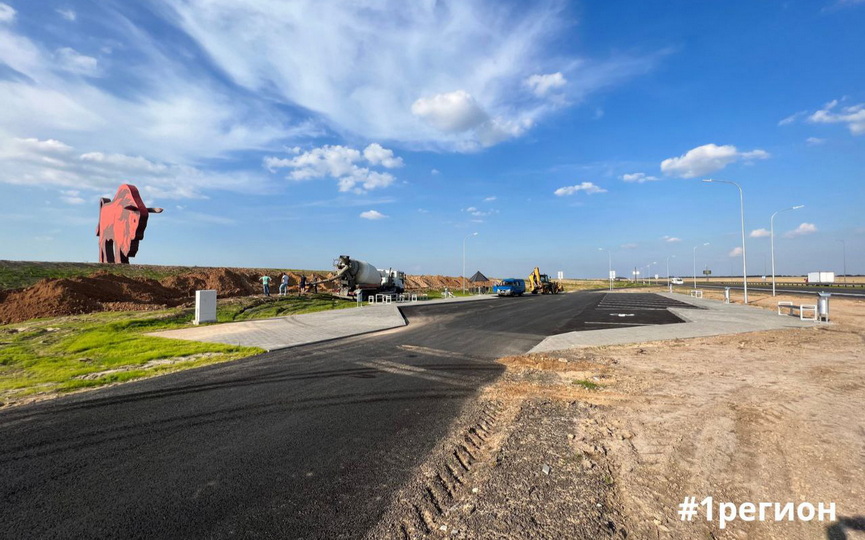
(54, 163)
(541, 85)
(67, 14)
(638, 178)
(7, 13)
(671, 239)
(432, 75)
(735, 252)
(853, 116)
(760, 233)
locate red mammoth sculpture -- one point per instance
(121, 225)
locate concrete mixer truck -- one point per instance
(361, 278)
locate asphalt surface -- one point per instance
(308, 442)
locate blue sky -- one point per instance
(283, 134)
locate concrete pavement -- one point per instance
(714, 319)
(283, 332)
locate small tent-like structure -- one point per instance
(478, 277)
(480, 283)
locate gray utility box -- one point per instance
(205, 306)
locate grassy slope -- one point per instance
(52, 356)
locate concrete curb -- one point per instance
(714, 319)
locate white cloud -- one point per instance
(801, 230)
(435, 172)
(340, 163)
(453, 112)
(814, 141)
(706, 159)
(853, 116)
(372, 214)
(7, 14)
(671, 239)
(638, 178)
(53, 163)
(760, 233)
(629, 246)
(490, 199)
(377, 155)
(67, 14)
(74, 62)
(542, 84)
(735, 252)
(588, 187)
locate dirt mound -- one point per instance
(225, 282)
(105, 291)
(440, 282)
(72, 296)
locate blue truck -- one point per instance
(510, 287)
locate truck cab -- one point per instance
(510, 287)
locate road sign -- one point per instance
(612, 274)
(707, 272)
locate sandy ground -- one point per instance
(762, 417)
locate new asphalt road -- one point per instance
(308, 442)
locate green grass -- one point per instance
(588, 385)
(278, 306)
(51, 356)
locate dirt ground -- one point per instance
(761, 417)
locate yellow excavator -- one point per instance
(541, 283)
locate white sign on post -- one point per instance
(561, 275)
(612, 274)
(205, 306)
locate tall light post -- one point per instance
(742, 215)
(695, 263)
(670, 283)
(844, 254)
(610, 268)
(772, 236)
(649, 271)
(464, 259)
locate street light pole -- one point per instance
(742, 215)
(695, 263)
(610, 268)
(464, 259)
(844, 254)
(772, 236)
(670, 283)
